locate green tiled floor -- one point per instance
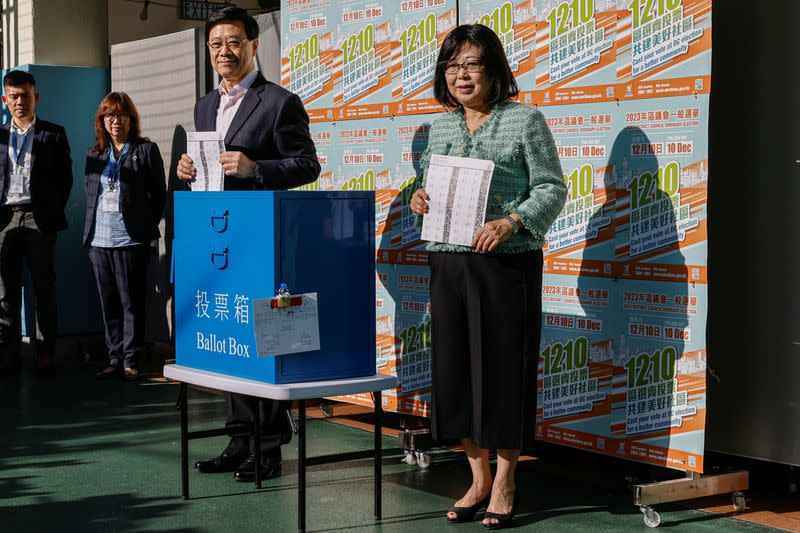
(84, 456)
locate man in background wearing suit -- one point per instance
(35, 183)
(268, 147)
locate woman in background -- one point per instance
(125, 198)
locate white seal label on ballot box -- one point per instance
(284, 329)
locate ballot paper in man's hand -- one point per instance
(458, 188)
(205, 147)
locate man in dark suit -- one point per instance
(35, 183)
(268, 147)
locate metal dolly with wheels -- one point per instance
(692, 486)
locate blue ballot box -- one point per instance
(231, 248)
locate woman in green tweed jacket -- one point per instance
(486, 298)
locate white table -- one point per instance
(292, 391)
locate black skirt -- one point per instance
(485, 326)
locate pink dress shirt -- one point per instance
(230, 101)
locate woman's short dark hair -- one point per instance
(233, 14)
(502, 83)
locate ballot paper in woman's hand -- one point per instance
(458, 188)
(205, 147)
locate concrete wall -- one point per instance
(17, 32)
(71, 32)
(125, 25)
(55, 32)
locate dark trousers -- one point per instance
(121, 275)
(275, 427)
(485, 331)
(21, 239)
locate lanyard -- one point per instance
(16, 144)
(115, 163)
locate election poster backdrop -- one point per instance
(624, 86)
(576, 55)
(310, 60)
(516, 25)
(622, 362)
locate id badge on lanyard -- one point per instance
(16, 186)
(110, 202)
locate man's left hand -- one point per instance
(238, 165)
(492, 235)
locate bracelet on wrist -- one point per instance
(514, 224)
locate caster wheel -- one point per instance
(409, 458)
(651, 517)
(739, 502)
(423, 459)
(327, 410)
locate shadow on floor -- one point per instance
(113, 512)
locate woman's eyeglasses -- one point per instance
(469, 66)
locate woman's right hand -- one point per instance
(419, 202)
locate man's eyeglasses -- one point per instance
(234, 45)
(118, 118)
(469, 66)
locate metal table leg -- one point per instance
(257, 442)
(376, 397)
(183, 400)
(301, 467)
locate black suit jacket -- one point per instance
(142, 190)
(51, 174)
(271, 128)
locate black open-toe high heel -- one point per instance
(466, 514)
(503, 520)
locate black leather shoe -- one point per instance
(467, 514)
(227, 461)
(503, 520)
(110, 372)
(246, 472)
